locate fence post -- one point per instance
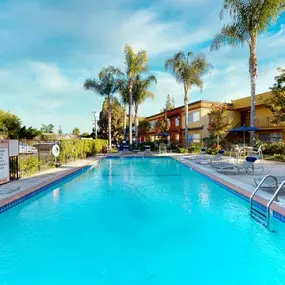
(39, 157)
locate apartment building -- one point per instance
(198, 120)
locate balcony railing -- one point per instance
(265, 122)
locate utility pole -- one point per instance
(95, 124)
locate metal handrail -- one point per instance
(272, 199)
(260, 184)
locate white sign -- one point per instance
(13, 148)
(4, 161)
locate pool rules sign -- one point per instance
(4, 161)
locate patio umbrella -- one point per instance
(243, 129)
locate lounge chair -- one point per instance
(212, 160)
(147, 149)
(162, 148)
(269, 182)
(126, 149)
(247, 165)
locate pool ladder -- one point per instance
(257, 212)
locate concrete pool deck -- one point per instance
(17, 189)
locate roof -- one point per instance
(189, 105)
(245, 101)
(235, 104)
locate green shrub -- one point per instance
(69, 150)
(182, 150)
(272, 148)
(29, 165)
(194, 148)
(213, 151)
(278, 156)
(78, 149)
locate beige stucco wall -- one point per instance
(245, 102)
(204, 121)
(235, 117)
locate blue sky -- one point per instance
(49, 47)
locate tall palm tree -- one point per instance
(136, 63)
(106, 85)
(249, 18)
(140, 94)
(188, 70)
(125, 101)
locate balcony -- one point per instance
(265, 122)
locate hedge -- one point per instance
(272, 148)
(192, 148)
(69, 150)
(77, 149)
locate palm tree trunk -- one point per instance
(136, 123)
(125, 123)
(109, 122)
(130, 113)
(186, 117)
(253, 75)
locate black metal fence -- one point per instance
(35, 156)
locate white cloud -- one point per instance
(42, 93)
(42, 81)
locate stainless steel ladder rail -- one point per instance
(257, 214)
(260, 184)
(271, 201)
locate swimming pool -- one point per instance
(138, 221)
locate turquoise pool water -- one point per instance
(134, 222)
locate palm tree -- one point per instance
(249, 18)
(106, 85)
(188, 70)
(140, 94)
(124, 100)
(136, 63)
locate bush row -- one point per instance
(272, 148)
(192, 148)
(75, 149)
(31, 164)
(69, 150)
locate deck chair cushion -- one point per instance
(251, 159)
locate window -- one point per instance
(193, 117)
(270, 137)
(152, 124)
(177, 122)
(194, 138)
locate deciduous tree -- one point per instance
(276, 103)
(169, 104)
(116, 122)
(219, 123)
(76, 131)
(162, 124)
(10, 124)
